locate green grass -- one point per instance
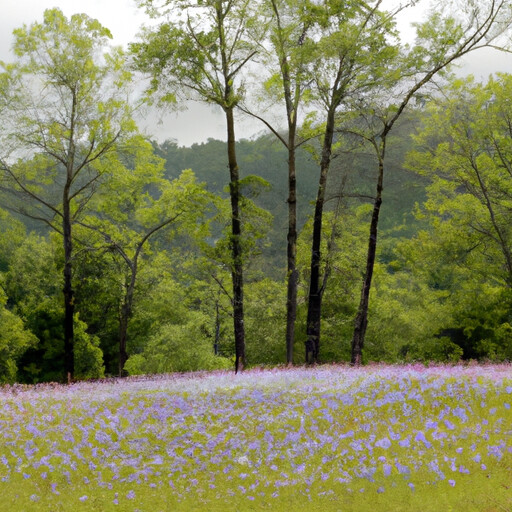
(326, 439)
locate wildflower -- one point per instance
(384, 443)
(420, 436)
(83, 498)
(449, 425)
(452, 482)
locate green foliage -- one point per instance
(464, 148)
(265, 322)
(178, 348)
(152, 241)
(88, 354)
(15, 339)
(198, 55)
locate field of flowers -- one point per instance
(387, 438)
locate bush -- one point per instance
(178, 348)
(88, 354)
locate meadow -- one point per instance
(329, 438)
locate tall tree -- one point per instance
(202, 55)
(135, 205)
(441, 40)
(465, 148)
(65, 114)
(355, 46)
(285, 54)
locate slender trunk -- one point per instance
(361, 320)
(315, 289)
(236, 246)
(217, 329)
(291, 300)
(69, 304)
(69, 300)
(124, 318)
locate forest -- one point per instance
(369, 221)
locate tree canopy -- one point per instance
(122, 255)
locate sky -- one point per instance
(195, 124)
(198, 122)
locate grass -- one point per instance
(329, 438)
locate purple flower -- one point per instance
(384, 443)
(452, 482)
(420, 436)
(83, 498)
(449, 425)
(430, 424)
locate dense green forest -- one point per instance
(373, 225)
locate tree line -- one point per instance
(139, 271)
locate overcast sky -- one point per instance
(123, 19)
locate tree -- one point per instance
(135, 205)
(33, 286)
(441, 40)
(15, 339)
(203, 54)
(286, 54)
(465, 148)
(355, 46)
(66, 112)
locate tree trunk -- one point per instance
(124, 318)
(236, 246)
(123, 330)
(293, 277)
(217, 329)
(69, 303)
(361, 320)
(315, 289)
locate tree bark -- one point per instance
(315, 289)
(361, 320)
(124, 317)
(291, 299)
(69, 303)
(236, 246)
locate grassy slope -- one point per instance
(329, 438)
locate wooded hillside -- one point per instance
(372, 224)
